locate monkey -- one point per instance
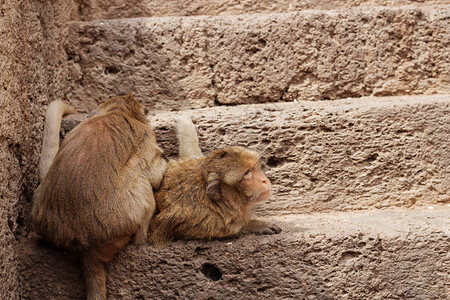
(98, 191)
(206, 197)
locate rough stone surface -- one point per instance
(334, 155)
(321, 156)
(33, 67)
(107, 9)
(371, 255)
(189, 62)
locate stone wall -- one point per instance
(32, 73)
(175, 63)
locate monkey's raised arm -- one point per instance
(50, 143)
(187, 138)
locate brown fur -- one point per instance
(98, 192)
(208, 197)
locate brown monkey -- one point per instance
(209, 197)
(98, 193)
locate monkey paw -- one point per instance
(260, 227)
(271, 229)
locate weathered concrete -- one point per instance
(114, 9)
(178, 63)
(33, 69)
(334, 155)
(400, 254)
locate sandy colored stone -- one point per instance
(401, 254)
(33, 67)
(334, 155)
(322, 157)
(114, 9)
(175, 63)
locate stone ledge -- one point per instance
(333, 155)
(98, 9)
(393, 254)
(189, 62)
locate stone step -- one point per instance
(333, 155)
(388, 254)
(97, 9)
(189, 62)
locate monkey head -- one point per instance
(127, 104)
(234, 174)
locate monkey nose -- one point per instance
(267, 184)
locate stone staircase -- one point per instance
(350, 110)
(189, 62)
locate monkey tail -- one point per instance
(50, 143)
(187, 138)
(93, 262)
(94, 274)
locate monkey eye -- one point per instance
(248, 174)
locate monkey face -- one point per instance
(255, 184)
(238, 171)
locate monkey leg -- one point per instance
(260, 227)
(142, 233)
(93, 263)
(141, 236)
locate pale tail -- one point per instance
(187, 138)
(50, 143)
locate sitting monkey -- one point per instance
(96, 190)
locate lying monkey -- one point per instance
(209, 197)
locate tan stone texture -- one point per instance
(361, 187)
(370, 255)
(114, 9)
(179, 63)
(32, 71)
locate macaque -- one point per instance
(98, 191)
(209, 197)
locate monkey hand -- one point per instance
(260, 227)
(271, 229)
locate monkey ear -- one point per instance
(213, 187)
(130, 97)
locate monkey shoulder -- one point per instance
(116, 123)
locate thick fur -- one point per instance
(207, 197)
(98, 192)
